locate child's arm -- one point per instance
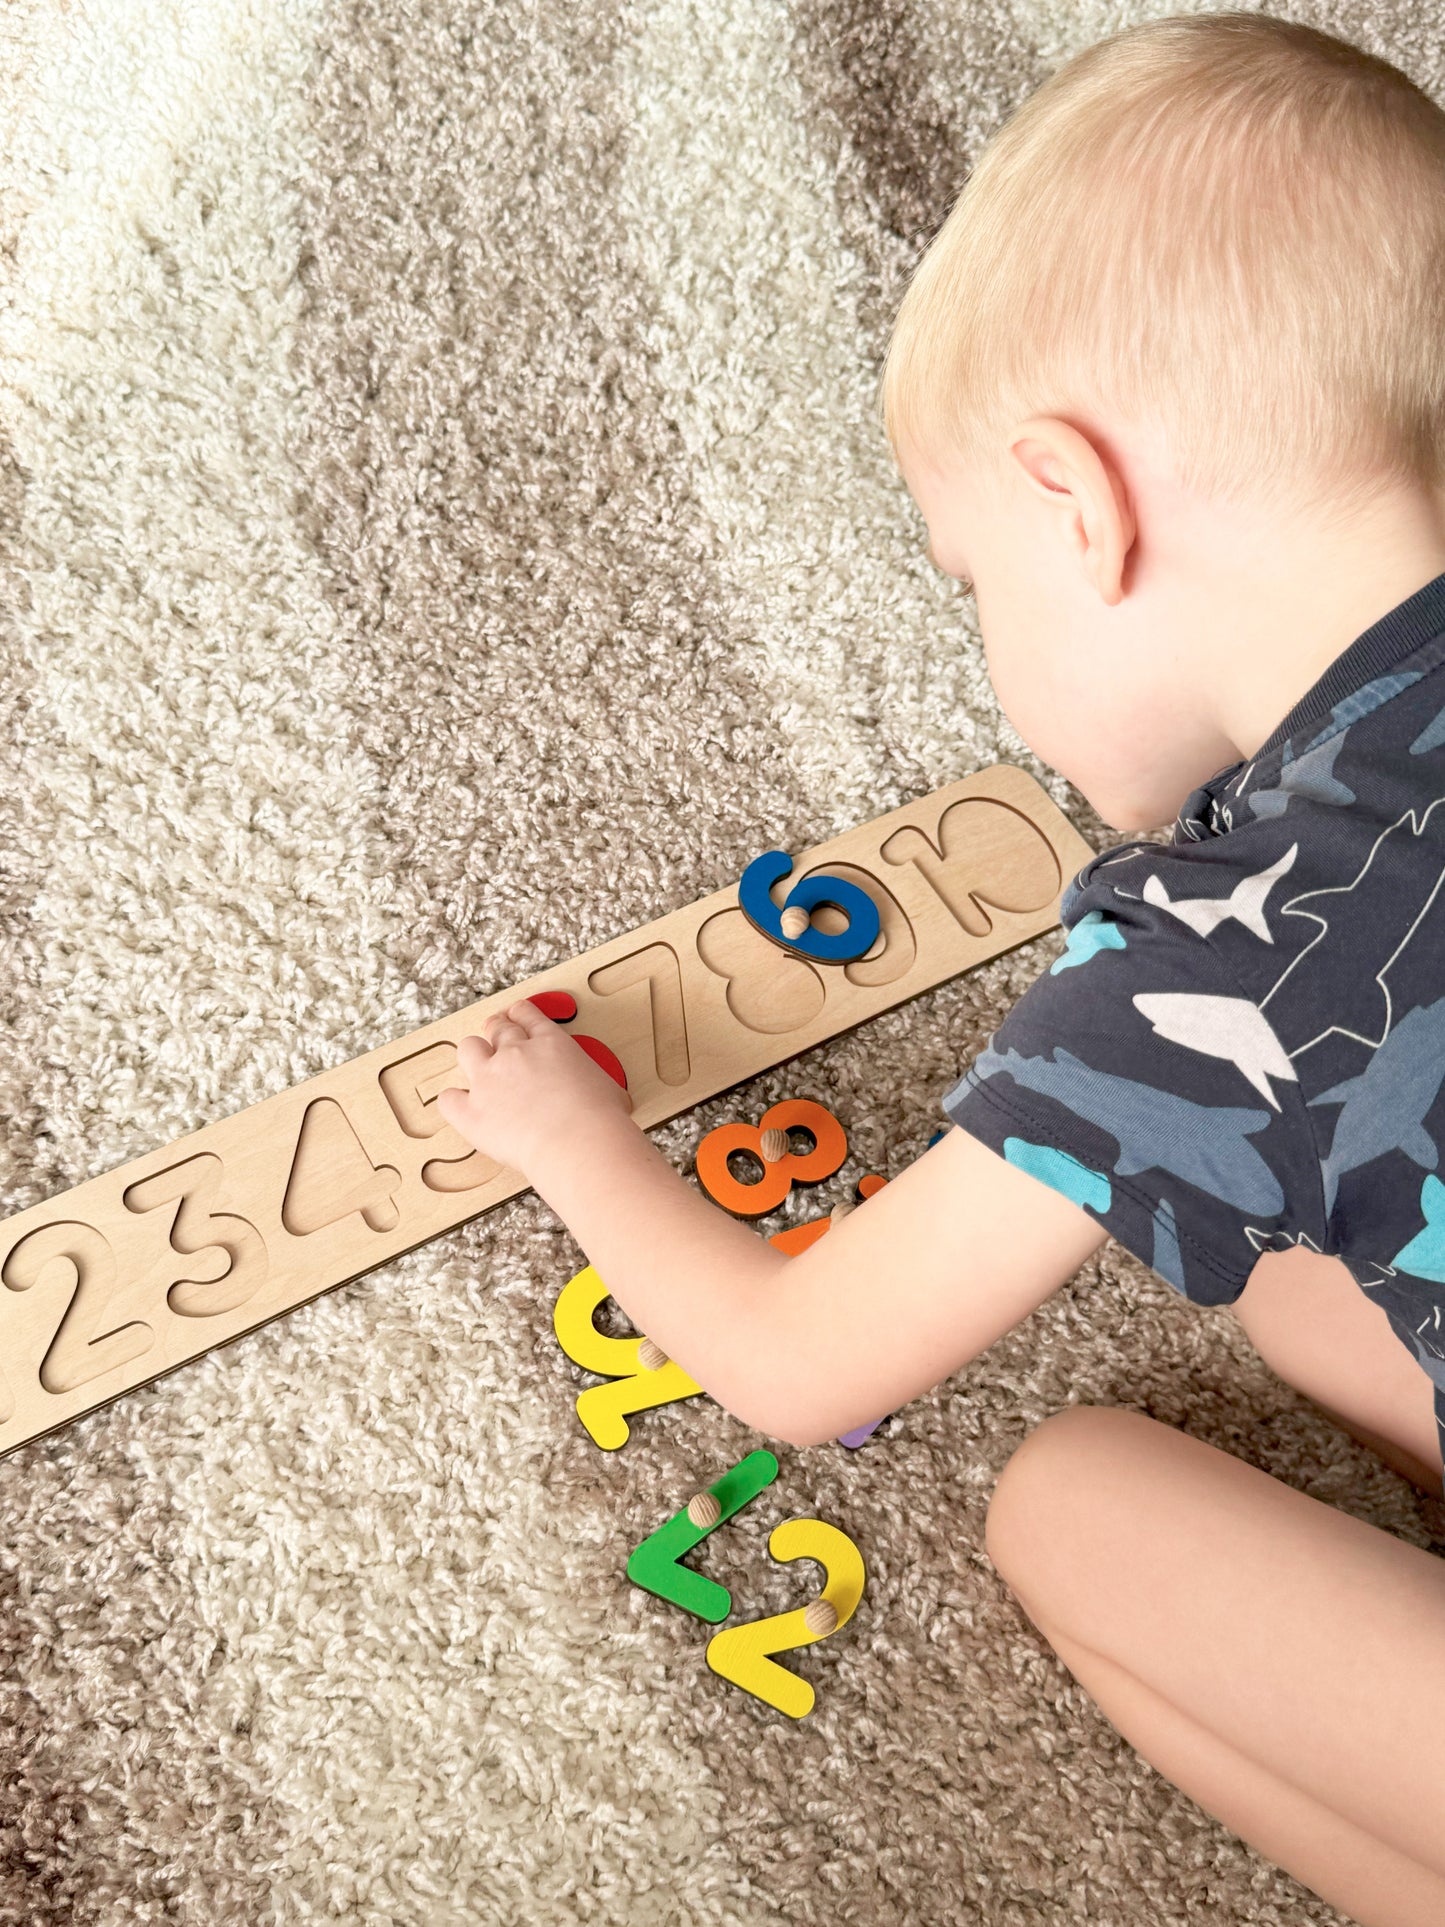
(900, 1293)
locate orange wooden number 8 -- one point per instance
(830, 1147)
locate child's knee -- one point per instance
(1037, 1532)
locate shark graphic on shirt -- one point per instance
(1245, 902)
(1311, 777)
(1424, 1255)
(1359, 703)
(1385, 1107)
(1205, 1144)
(1167, 1259)
(1430, 1359)
(1369, 920)
(1229, 1027)
(1060, 1172)
(1093, 933)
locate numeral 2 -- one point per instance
(78, 1352)
(742, 1654)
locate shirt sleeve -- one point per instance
(1136, 1079)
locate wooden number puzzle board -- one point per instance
(138, 1270)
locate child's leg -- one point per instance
(1310, 1321)
(1282, 1662)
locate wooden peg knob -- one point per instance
(821, 1618)
(795, 921)
(704, 1510)
(841, 1210)
(650, 1356)
(773, 1144)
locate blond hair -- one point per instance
(1225, 225)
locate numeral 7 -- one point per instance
(743, 1654)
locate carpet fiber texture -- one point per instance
(445, 528)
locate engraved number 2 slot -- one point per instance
(74, 1255)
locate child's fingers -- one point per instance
(472, 1053)
(526, 1016)
(501, 1033)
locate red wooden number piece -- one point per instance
(561, 1007)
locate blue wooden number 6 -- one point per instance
(755, 900)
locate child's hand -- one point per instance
(531, 1087)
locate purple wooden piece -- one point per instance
(856, 1437)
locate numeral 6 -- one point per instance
(755, 900)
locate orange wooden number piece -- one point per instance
(830, 1147)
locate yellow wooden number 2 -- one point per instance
(741, 1654)
(603, 1409)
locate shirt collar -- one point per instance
(1378, 650)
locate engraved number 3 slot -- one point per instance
(235, 1248)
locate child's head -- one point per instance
(1187, 312)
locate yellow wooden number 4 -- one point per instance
(603, 1409)
(742, 1654)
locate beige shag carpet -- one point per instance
(445, 528)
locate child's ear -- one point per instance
(1095, 516)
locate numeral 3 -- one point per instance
(191, 1186)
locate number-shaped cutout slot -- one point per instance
(659, 972)
(80, 1349)
(604, 1409)
(191, 1186)
(769, 991)
(743, 1654)
(332, 1176)
(987, 855)
(894, 950)
(714, 1154)
(411, 1087)
(655, 1565)
(561, 1007)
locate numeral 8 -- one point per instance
(781, 1171)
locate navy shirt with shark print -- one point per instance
(1242, 1047)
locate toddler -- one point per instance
(1168, 389)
